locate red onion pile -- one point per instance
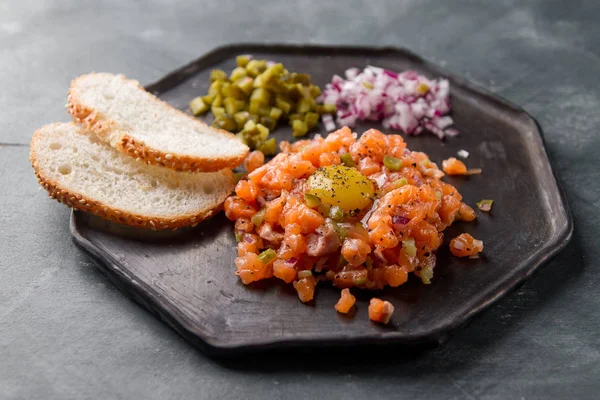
(407, 102)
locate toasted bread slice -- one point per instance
(84, 173)
(120, 112)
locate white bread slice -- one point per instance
(84, 173)
(120, 112)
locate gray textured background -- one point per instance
(66, 332)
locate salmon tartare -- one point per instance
(359, 212)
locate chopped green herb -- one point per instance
(304, 274)
(485, 205)
(409, 247)
(267, 256)
(258, 218)
(426, 274)
(347, 160)
(400, 182)
(336, 213)
(392, 163)
(311, 200)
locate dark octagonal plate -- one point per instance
(187, 278)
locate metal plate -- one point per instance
(187, 278)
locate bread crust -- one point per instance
(108, 130)
(84, 203)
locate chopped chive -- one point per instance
(409, 247)
(392, 163)
(360, 280)
(347, 160)
(340, 231)
(311, 200)
(258, 218)
(400, 182)
(485, 205)
(267, 256)
(304, 274)
(426, 274)
(336, 213)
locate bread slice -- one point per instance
(120, 112)
(84, 173)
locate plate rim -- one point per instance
(144, 295)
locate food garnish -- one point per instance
(452, 166)
(256, 97)
(346, 302)
(361, 213)
(462, 154)
(405, 101)
(380, 310)
(465, 245)
(485, 205)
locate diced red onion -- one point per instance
(381, 180)
(451, 132)
(391, 74)
(319, 264)
(399, 222)
(328, 122)
(418, 181)
(379, 254)
(398, 100)
(351, 73)
(443, 122)
(249, 239)
(459, 245)
(398, 219)
(261, 200)
(462, 153)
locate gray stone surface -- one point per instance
(66, 332)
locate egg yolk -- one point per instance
(341, 186)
